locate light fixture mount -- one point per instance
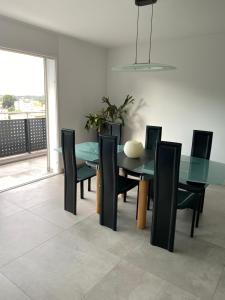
(144, 2)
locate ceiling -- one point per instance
(113, 22)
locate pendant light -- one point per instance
(148, 66)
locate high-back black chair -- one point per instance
(72, 173)
(167, 197)
(152, 137)
(116, 130)
(201, 148)
(111, 183)
(201, 144)
(109, 173)
(167, 164)
(113, 129)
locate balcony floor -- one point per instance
(17, 173)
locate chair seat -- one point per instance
(125, 184)
(186, 199)
(131, 173)
(92, 164)
(193, 186)
(84, 172)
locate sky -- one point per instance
(21, 74)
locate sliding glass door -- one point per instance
(28, 118)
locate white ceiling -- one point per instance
(113, 22)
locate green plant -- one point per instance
(112, 113)
(96, 121)
(8, 102)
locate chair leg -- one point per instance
(125, 197)
(89, 184)
(149, 199)
(193, 222)
(202, 201)
(82, 190)
(198, 213)
(137, 203)
(70, 195)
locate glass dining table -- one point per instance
(192, 169)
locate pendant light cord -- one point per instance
(136, 55)
(150, 39)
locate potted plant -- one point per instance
(112, 113)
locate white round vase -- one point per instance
(133, 149)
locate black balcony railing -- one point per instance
(22, 135)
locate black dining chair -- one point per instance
(111, 183)
(114, 129)
(201, 148)
(152, 137)
(73, 174)
(167, 197)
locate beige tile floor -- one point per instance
(47, 253)
(17, 173)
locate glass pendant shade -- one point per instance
(143, 67)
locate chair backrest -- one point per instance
(166, 179)
(114, 129)
(106, 130)
(108, 182)
(70, 168)
(201, 144)
(153, 136)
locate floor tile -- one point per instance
(7, 208)
(171, 292)
(126, 281)
(220, 291)
(54, 212)
(8, 291)
(193, 271)
(126, 238)
(33, 194)
(62, 268)
(21, 232)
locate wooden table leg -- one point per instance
(142, 203)
(98, 191)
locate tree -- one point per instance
(8, 102)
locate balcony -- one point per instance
(23, 148)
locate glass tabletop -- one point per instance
(89, 151)
(192, 169)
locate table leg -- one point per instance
(98, 191)
(142, 203)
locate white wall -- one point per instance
(82, 82)
(81, 69)
(192, 97)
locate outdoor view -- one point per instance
(22, 119)
(21, 86)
